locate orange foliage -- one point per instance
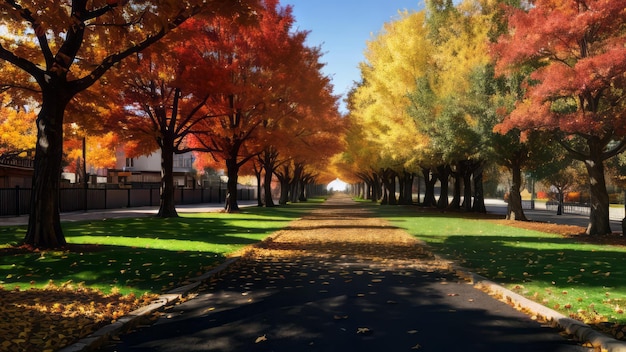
(579, 57)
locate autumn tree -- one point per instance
(164, 100)
(65, 47)
(86, 152)
(576, 90)
(269, 74)
(17, 131)
(395, 59)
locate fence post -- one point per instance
(128, 203)
(17, 200)
(86, 186)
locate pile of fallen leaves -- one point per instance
(51, 318)
(361, 239)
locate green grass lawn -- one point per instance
(140, 254)
(584, 280)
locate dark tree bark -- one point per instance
(167, 206)
(479, 194)
(599, 223)
(467, 186)
(268, 160)
(388, 178)
(44, 223)
(430, 179)
(259, 186)
(443, 171)
(267, 186)
(285, 180)
(456, 174)
(232, 171)
(514, 208)
(406, 188)
(598, 151)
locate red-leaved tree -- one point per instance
(64, 47)
(577, 52)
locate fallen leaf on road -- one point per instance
(416, 347)
(261, 339)
(363, 331)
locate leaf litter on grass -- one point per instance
(56, 316)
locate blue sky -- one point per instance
(342, 28)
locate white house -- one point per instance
(146, 170)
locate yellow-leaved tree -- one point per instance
(395, 59)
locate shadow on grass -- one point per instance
(555, 261)
(139, 255)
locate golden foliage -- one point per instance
(54, 317)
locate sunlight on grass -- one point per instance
(168, 245)
(137, 255)
(582, 280)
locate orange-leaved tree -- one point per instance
(64, 47)
(578, 51)
(165, 97)
(17, 130)
(262, 66)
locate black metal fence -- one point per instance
(570, 208)
(16, 201)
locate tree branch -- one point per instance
(22, 63)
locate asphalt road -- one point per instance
(341, 303)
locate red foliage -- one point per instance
(578, 51)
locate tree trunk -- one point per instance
(302, 194)
(560, 201)
(429, 192)
(260, 191)
(514, 208)
(44, 223)
(407, 188)
(167, 206)
(389, 184)
(467, 187)
(232, 170)
(284, 192)
(455, 204)
(479, 194)
(267, 185)
(599, 223)
(365, 190)
(377, 188)
(285, 181)
(444, 174)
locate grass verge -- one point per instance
(581, 280)
(52, 298)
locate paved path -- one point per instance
(123, 213)
(316, 287)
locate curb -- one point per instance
(141, 315)
(582, 331)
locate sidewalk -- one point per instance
(616, 215)
(340, 280)
(124, 213)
